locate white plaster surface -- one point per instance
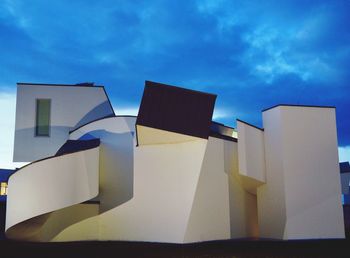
(251, 156)
(180, 191)
(251, 152)
(150, 136)
(302, 198)
(70, 107)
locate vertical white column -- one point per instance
(302, 195)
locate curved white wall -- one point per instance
(117, 137)
(50, 185)
(164, 180)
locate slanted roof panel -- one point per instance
(176, 109)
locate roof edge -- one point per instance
(295, 105)
(244, 122)
(57, 84)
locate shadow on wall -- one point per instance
(103, 108)
(211, 195)
(27, 150)
(116, 167)
(45, 227)
(243, 205)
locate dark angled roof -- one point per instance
(77, 145)
(176, 109)
(344, 167)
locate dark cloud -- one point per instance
(253, 54)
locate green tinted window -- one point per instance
(42, 117)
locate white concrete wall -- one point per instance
(302, 198)
(210, 213)
(165, 179)
(251, 152)
(71, 106)
(50, 185)
(150, 136)
(190, 191)
(271, 196)
(251, 156)
(243, 216)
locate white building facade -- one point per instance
(170, 174)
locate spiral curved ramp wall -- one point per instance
(159, 192)
(47, 195)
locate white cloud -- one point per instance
(7, 127)
(131, 111)
(270, 52)
(344, 153)
(221, 113)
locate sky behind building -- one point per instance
(252, 54)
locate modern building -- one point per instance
(171, 174)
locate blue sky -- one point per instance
(252, 54)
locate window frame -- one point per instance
(36, 134)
